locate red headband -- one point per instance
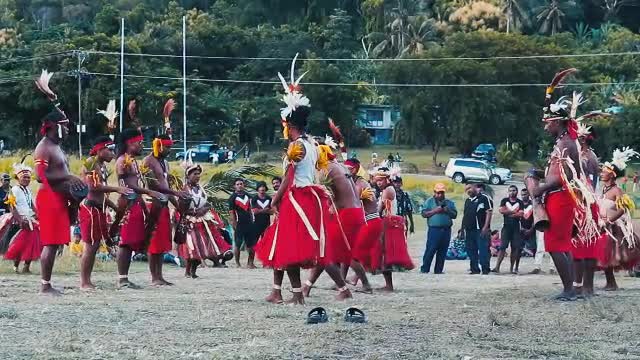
(352, 164)
(135, 139)
(165, 142)
(97, 147)
(48, 125)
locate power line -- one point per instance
(265, 82)
(515, 57)
(44, 56)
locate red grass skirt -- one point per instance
(592, 249)
(204, 241)
(616, 255)
(288, 242)
(132, 231)
(342, 233)
(396, 251)
(161, 237)
(53, 214)
(561, 210)
(369, 237)
(93, 224)
(25, 245)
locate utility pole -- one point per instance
(81, 55)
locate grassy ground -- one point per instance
(222, 315)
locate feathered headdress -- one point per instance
(554, 110)
(392, 172)
(584, 130)
(328, 140)
(335, 130)
(169, 106)
(132, 111)
(292, 97)
(57, 117)
(111, 114)
(42, 83)
(620, 159)
(20, 168)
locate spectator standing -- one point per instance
(540, 255)
(440, 213)
(526, 223)
(635, 181)
(624, 181)
(512, 210)
(231, 157)
(247, 154)
(276, 182)
(5, 189)
(390, 159)
(405, 207)
(242, 223)
(476, 222)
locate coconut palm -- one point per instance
(551, 16)
(516, 14)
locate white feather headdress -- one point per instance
(111, 114)
(621, 158)
(292, 97)
(328, 140)
(42, 83)
(19, 168)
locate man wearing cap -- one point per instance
(4, 191)
(439, 213)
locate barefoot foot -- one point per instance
(275, 297)
(49, 290)
(344, 294)
(297, 299)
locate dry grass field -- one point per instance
(222, 315)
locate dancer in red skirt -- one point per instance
(585, 251)
(391, 253)
(60, 192)
(21, 232)
(158, 181)
(564, 188)
(621, 248)
(371, 232)
(344, 223)
(298, 237)
(204, 240)
(94, 228)
(132, 211)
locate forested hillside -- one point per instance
(356, 52)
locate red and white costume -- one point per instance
(22, 243)
(204, 240)
(298, 237)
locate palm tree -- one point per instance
(418, 35)
(612, 7)
(515, 12)
(551, 16)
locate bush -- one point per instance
(409, 168)
(508, 154)
(260, 158)
(360, 138)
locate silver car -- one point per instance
(464, 169)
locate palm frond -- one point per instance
(220, 185)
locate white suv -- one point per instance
(462, 169)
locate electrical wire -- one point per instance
(361, 83)
(515, 57)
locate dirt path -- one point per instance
(222, 315)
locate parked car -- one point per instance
(467, 169)
(200, 153)
(486, 152)
(500, 175)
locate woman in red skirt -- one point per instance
(204, 240)
(391, 253)
(621, 248)
(21, 232)
(297, 237)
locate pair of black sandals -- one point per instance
(352, 315)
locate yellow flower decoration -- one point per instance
(323, 157)
(128, 160)
(11, 200)
(625, 202)
(295, 152)
(367, 194)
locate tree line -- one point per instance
(433, 34)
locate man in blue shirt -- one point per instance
(440, 213)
